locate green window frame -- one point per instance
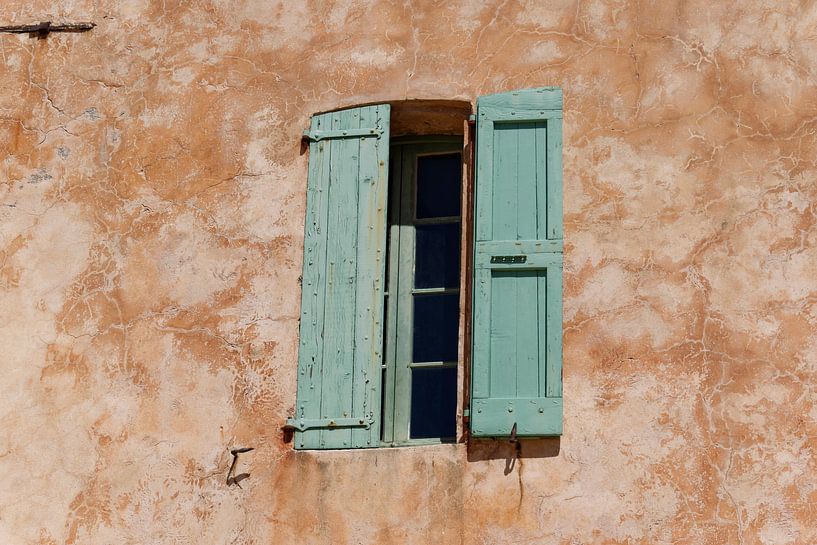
(354, 371)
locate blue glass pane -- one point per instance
(437, 256)
(436, 320)
(438, 185)
(433, 402)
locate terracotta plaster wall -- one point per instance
(152, 194)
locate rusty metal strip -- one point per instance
(318, 135)
(45, 27)
(303, 424)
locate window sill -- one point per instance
(418, 443)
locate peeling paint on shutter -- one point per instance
(339, 359)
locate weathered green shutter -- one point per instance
(341, 341)
(517, 354)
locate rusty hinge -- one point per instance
(303, 424)
(318, 135)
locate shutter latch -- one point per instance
(303, 424)
(318, 135)
(506, 259)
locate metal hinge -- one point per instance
(317, 136)
(303, 424)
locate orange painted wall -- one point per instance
(152, 193)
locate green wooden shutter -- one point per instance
(517, 334)
(341, 339)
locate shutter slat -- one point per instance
(342, 302)
(489, 247)
(503, 332)
(313, 288)
(480, 371)
(524, 103)
(543, 329)
(528, 338)
(489, 415)
(554, 333)
(372, 187)
(554, 178)
(544, 202)
(341, 269)
(516, 359)
(513, 116)
(526, 182)
(505, 188)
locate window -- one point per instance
(380, 305)
(423, 292)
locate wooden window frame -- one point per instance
(397, 366)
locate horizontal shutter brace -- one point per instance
(318, 135)
(303, 424)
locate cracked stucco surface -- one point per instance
(152, 193)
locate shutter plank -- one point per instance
(521, 103)
(313, 286)
(483, 193)
(543, 339)
(554, 177)
(527, 334)
(372, 187)
(534, 417)
(526, 182)
(544, 202)
(503, 328)
(504, 194)
(341, 274)
(481, 374)
(554, 332)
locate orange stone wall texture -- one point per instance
(152, 196)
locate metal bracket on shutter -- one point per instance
(303, 424)
(509, 259)
(317, 136)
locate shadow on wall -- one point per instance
(481, 450)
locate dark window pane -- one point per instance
(438, 186)
(436, 318)
(383, 378)
(437, 259)
(433, 402)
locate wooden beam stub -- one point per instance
(44, 27)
